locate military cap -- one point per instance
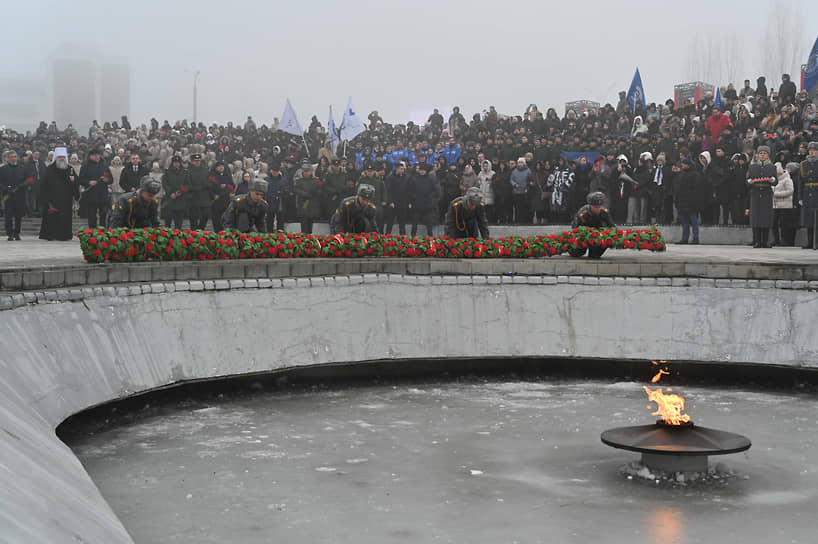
(259, 185)
(196, 157)
(812, 145)
(176, 158)
(306, 166)
(336, 162)
(473, 196)
(366, 190)
(596, 199)
(369, 166)
(150, 185)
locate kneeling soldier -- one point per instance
(355, 213)
(466, 216)
(137, 209)
(248, 213)
(593, 215)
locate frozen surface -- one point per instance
(451, 462)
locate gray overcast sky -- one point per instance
(396, 57)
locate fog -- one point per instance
(400, 58)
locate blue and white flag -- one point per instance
(811, 71)
(289, 122)
(332, 132)
(636, 93)
(717, 101)
(351, 125)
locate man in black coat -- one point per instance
(221, 189)
(59, 189)
(466, 216)
(137, 209)
(13, 186)
(96, 178)
(787, 90)
(425, 193)
(132, 174)
(689, 191)
(399, 194)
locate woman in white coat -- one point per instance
(782, 205)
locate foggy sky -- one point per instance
(396, 57)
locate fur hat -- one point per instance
(764, 148)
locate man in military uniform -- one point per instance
(371, 177)
(761, 177)
(248, 213)
(196, 193)
(173, 203)
(594, 215)
(355, 213)
(466, 216)
(137, 209)
(808, 193)
(308, 190)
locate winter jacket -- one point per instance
(519, 180)
(782, 193)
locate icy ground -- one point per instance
(453, 462)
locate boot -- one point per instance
(810, 238)
(765, 236)
(776, 238)
(756, 238)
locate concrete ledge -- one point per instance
(67, 349)
(654, 266)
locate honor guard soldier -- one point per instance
(248, 213)
(137, 209)
(593, 215)
(355, 213)
(466, 216)
(808, 193)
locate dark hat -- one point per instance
(94, 151)
(596, 199)
(336, 162)
(687, 160)
(422, 166)
(369, 166)
(176, 158)
(150, 185)
(290, 158)
(196, 157)
(275, 165)
(219, 163)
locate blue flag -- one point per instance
(811, 72)
(717, 101)
(332, 132)
(636, 93)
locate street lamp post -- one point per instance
(195, 91)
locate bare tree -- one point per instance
(785, 46)
(715, 58)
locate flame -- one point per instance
(659, 375)
(669, 407)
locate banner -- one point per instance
(811, 71)
(289, 122)
(636, 93)
(332, 132)
(351, 125)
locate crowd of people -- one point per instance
(690, 163)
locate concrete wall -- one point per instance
(59, 358)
